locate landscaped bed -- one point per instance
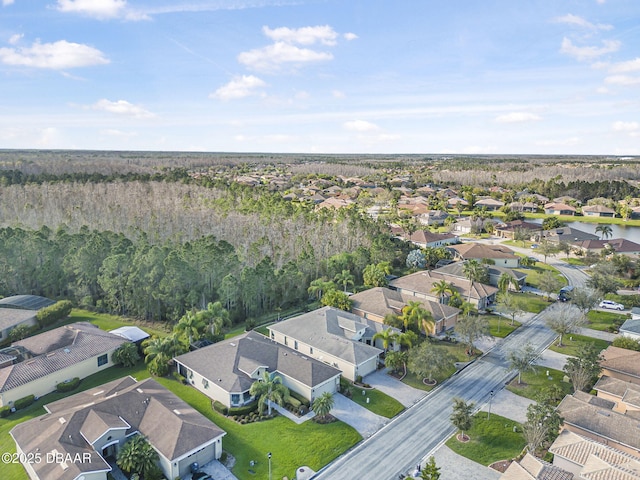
(490, 440)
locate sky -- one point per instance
(314, 76)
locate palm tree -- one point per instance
(217, 317)
(505, 281)
(268, 389)
(472, 269)
(159, 352)
(387, 336)
(605, 230)
(323, 404)
(345, 278)
(415, 314)
(137, 456)
(190, 325)
(442, 288)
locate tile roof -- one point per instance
(480, 250)
(55, 350)
(532, 468)
(172, 426)
(423, 236)
(230, 363)
(324, 330)
(456, 269)
(621, 360)
(422, 282)
(628, 392)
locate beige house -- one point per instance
(533, 468)
(622, 364)
(20, 310)
(499, 255)
(335, 337)
(84, 430)
(625, 395)
(375, 303)
(226, 370)
(41, 362)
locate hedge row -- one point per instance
(244, 410)
(55, 312)
(24, 402)
(68, 386)
(300, 398)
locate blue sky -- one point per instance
(344, 76)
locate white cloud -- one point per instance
(57, 55)
(626, 126)
(350, 36)
(303, 36)
(338, 94)
(571, 19)
(7, 2)
(517, 117)
(360, 126)
(15, 39)
(271, 57)
(239, 87)
(100, 9)
(112, 132)
(625, 80)
(122, 107)
(589, 52)
(624, 67)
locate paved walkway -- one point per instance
(286, 413)
(509, 405)
(393, 387)
(364, 421)
(608, 336)
(456, 467)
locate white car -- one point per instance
(611, 305)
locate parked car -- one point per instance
(535, 245)
(611, 305)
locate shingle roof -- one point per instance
(631, 325)
(230, 363)
(172, 426)
(422, 282)
(628, 392)
(10, 317)
(480, 250)
(55, 350)
(621, 360)
(456, 269)
(321, 329)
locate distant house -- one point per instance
(44, 360)
(20, 310)
(631, 328)
(433, 217)
(426, 238)
(456, 269)
(473, 225)
(421, 285)
(457, 201)
(622, 364)
(226, 370)
(598, 211)
(528, 207)
(568, 235)
(335, 203)
(337, 338)
(509, 229)
(498, 254)
(555, 208)
(378, 302)
(87, 429)
(617, 245)
(489, 203)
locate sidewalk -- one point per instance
(509, 405)
(608, 336)
(364, 421)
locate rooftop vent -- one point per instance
(62, 420)
(139, 390)
(605, 414)
(66, 350)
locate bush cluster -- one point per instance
(219, 407)
(5, 411)
(55, 312)
(24, 402)
(250, 418)
(245, 409)
(69, 385)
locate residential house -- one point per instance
(509, 229)
(43, 361)
(457, 201)
(333, 336)
(225, 371)
(490, 204)
(621, 246)
(474, 225)
(79, 434)
(555, 208)
(421, 285)
(20, 310)
(526, 207)
(426, 238)
(594, 418)
(533, 468)
(433, 217)
(498, 255)
(567, 235)
(631, 328)
(621, 363)
(598, 211)
(335, 203)
(625, 395)
(378, 302)
(456, 269)
(588, 459)
(567, 199)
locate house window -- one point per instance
(235, 399)
(295, 344)
(103, 360)
(286, 342)
(273, 335)
(311, 350)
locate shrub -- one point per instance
(21, 331)
(24, 402)
(55, 312)
(244, 410)
(294, 402)
(69, 385)
(358, 379)
(219, 407)
(180, 378)
(628, 343)
(5, 411)
(299, 398)
(126, 355)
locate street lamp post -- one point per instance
(269, 457)
(490, 398)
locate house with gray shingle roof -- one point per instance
(455, 269)
(20, 310)
(335, 337)
(76, 350)
(92, 426)
(631, 328)
(226, 370)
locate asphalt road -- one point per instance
(398, 447)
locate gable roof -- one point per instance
(621, 360)
(628, 392)
(230, 363)
(559, 206)
(422, 282)
(532, 468)
(55, 350)
(329, 330)
(10, 317)
(382, 301)
(480, 250)
(172, 426)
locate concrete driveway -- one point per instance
(509, 405)
(393, 387)
(365, 422)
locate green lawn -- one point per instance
(603, 320)
(455, 349)
(379, 402)
(491, 440)
(575, 261)
(533, 303)
(108, 322)
(534, 273)
(572, 342)
(535, 382)
(501, 326)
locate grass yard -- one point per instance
(501, 326)
(603, 320)
(572, 342)
(491, 440)
(533, 303)
(535, 382)
(535, 272)
(108, 322)
(379, 403)
(291, 445)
